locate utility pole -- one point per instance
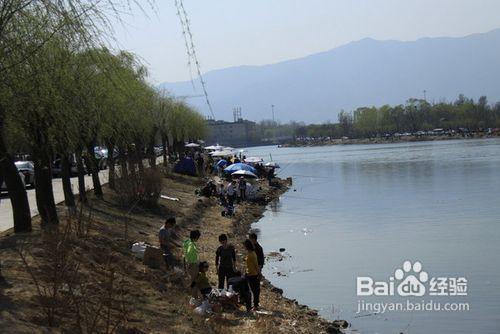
(425, 95)
(274, 124)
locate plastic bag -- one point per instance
(138, 249)
(193, 302)
(203, 308)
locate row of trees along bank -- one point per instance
(415, 115)
(63, 93)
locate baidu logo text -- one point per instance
(412, 280)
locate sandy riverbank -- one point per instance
(151, 302)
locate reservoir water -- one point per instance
(363, 210)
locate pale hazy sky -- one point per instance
(243, 32)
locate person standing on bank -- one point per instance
(225, 261)
(165, 236)
(258, 249)
(270, 176)
(253, 273)
(221, 192)
(242, 186)
(191, 262)
(231, 192)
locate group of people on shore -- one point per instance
(228, 192)
(246, 284)
(206, 165)
(235, 189)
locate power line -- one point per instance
(186, 44)
(190, 48)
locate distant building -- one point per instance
(238, 134)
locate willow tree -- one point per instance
(165, 106)
(46, 115)
(117, 83)
(21, 22)
(35, 110)
(185, 124)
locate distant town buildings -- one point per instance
(238, 134)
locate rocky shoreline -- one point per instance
(287, 313)
(391, 140)
(310, 314)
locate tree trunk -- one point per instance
(15, 187)
(131, 159)
(123, 163)
(69, 197)
(179, 147)
(164, 146)
(175, 147)
(111, 165)
(140, 164)
(138, 157)
(152, 154)
(94, 169)
(82, 192)
(44, 192)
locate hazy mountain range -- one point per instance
(362, 73)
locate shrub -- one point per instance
(69, 297)
(140, 188)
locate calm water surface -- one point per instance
(362, 210)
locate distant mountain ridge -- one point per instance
(362, 73)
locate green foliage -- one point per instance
(63, 92)
(416, 115)
(70, 97)
(420, 115)
(185, 123)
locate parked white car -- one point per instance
(28, 169)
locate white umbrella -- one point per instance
(272, 164)
(244, 173)
(253, 159)
(192, 145)
(214, 148)
(221, 154)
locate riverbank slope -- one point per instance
(149, 300)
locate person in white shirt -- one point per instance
(221, 192)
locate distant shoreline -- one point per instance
(391, 140)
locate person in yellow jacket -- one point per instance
(191, 262)
(253, 273)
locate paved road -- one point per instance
(6, 219)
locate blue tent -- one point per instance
(185, 166)
(239, 166)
